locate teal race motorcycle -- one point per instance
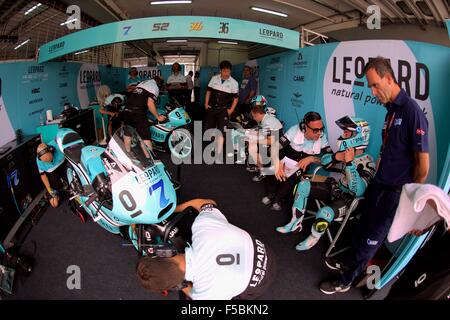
(126, 190)
(172, 134)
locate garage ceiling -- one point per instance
(43, 24)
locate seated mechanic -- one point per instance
(112, 107)
(358, 169)
(302, 145)
(267, 132)
(50, 162)
(223, 262)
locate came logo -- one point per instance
(36, 90)
(299, 78)
(196, 26)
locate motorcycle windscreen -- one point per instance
(142, 191)
(129, 149)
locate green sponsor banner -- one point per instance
(170, 27)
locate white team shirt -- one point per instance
(179, 78)
(301, 144)
(190, 83)
(228, 86)
(270, 123)
(209, 261)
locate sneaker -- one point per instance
(258, 177)
(334, 264)
(276, 206)
(252, 168)
(330, 287)
(266, 201)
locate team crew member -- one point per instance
(304, 144)
(141, 100)
(220, 101)
(223, 262)
(269, 129)
(247, 91)
(133, 80)
(112, 107)
(50, 162)
(358, 169)
(176, 84)
(404, 158)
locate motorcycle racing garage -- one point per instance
(131, 129)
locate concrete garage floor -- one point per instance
(108, 266)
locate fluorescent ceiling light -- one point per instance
(80, 52)
(227, 42)
(170, 2)
(33, 8)
(180, 40)
(68, 21)
(23, 43)
(269, 11)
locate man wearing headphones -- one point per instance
(50, 162)
(223, 262)
(357, 168)
(302, 145)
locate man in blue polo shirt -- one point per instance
(50, 162)
(404, 158)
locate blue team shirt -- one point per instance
(58, 159)
(247, 85)
(406, 128)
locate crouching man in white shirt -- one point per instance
(224, 262)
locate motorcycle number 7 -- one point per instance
(163, 201)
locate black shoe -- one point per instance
(330, 287)
(334, 264)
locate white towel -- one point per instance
(414, 213)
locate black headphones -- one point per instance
(45, 150)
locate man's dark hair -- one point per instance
(259, 109)
(176, 63)
(382, 66)
(311, 116)
(159, 274)
(225, 65)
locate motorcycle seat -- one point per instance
(73, 145)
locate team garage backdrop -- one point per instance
(329, 79)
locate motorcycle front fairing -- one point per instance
(141, 188)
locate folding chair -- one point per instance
(342, 220)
